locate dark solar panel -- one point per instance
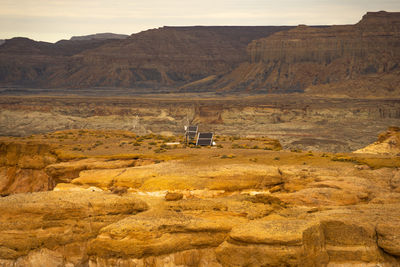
(192, 129)
(204, 142)
(204, 139)
(205, 135)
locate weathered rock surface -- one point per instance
(387, 143)
(67, 233)
(153, 59)
(64, 172)
(355, 60)
(157, 234)
(22, 167)
(389, 237)
(56, 221)
(176, 175)
(258, 208)
(29, 166)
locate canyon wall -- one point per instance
(360, 60)
(153, 59)
(357, 60)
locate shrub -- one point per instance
(234, 146)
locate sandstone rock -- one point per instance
(173, 196)
(64, 172)
(21, 167)
(157, 233)
(389, 237)
(119, 190)
(26, 155)
(58, 219)
(14, 180)
(43, 257)
(175, 175)
(395, 181)
(388, 143)
(193, 257)
(274, 243)
(275, 189)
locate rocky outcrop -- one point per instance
(65, 172)
(32, 166)
(22, 167)
(58, 226)
(103, 229)
(326, 59)
(388, 143)
(172, 176)
(199, 207)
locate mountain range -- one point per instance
(354, 60)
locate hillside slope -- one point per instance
(356, 60)
(163, 57)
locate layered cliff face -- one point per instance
(320, 60)
(151, 59)
(24, 62)
(365, 57)
(22, 167)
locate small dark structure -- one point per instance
(205, 139)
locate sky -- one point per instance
(53, 20)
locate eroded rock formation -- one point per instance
(387, 143)
(151, 60)
(198, 207)
(357, 60)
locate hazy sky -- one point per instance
(52, 20)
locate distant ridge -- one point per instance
(360, 60)
(99, 36)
